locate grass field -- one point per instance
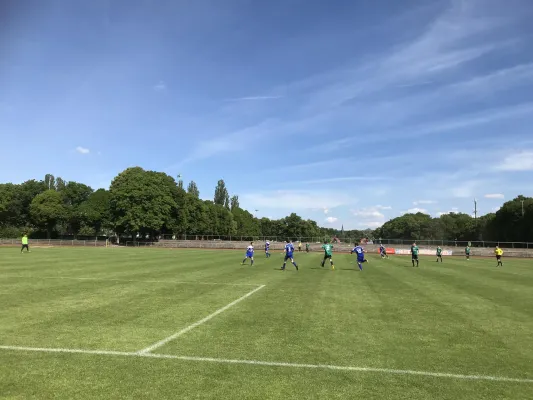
(193, 324)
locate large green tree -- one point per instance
(94, 214)
(192, 189)
(141, 202)
(47, 210)
(221, 193)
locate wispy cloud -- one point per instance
(255, 98)
(522, 161)
(371, 224)
(454, 210)
(82, 150)
(296, 199)
(343, 179)
(331, 220)
(419, 202)
(416, 210)
(494, 196)
(160, 86)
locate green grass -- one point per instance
(459, 317)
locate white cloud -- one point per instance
(82, 150)
(494, 196)
(160, 87)
(326, 211)
(419, 202)
(417, 210)
(296, 199)
(368, 213)
(331, 220)
(342, 179)
(522, 161)
(370, 217)
(371, 224)
(454, 210)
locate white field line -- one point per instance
(198, 323)
(274, 364)
(128, 280)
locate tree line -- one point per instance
(513, 222)
(149, 204)
(138, 204)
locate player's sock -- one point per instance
(360, 265)
(417, 263)
(252, 263)
(243, 261)
(284, 265)
(295, 265)
(413, 262)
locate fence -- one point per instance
(56, 242)
(406, 242)
(99, 241)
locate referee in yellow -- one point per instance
(25, 244)
(499, 253)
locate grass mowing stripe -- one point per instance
(128, 280)
(271, 364)
(198, 323)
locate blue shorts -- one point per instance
(249, 255)
(288, 257)
(360, 258)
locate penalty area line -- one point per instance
(272, 364)
(198, 323)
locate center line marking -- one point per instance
(197, 323)
(273, 364)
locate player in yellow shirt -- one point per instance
(25, 244)
(499, 253)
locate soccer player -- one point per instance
(439, 254)
(328, 253)
(307, 247)
(414, 254)
(358, 249)
(467, 252)
(249, 254)
(383, 251)
(267, 249)
(300, 246)
(289, 255)
(499, 253)
(25, 244)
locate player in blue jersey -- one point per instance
(383, 251)
(289, 251)
(267, 249)
(249, 254)
(360, 255)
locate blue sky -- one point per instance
(347, 112)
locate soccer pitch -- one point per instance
(166, 324)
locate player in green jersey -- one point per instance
(467, 252)
(439, 254)
(328, 253)
(307, 247)
(414, 254)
